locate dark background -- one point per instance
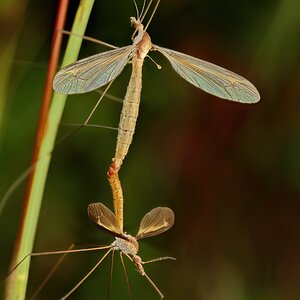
(229, 171)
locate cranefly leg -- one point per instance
(126, 277)
(86, 276)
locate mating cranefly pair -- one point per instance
(98, 70)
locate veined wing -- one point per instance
(90, 73)
(105, 219)
(211, 78)
(155, 222)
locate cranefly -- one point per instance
(155, 222)
(93, 72)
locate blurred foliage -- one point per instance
(11, 16)
(231, 172)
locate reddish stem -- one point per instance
(51, 70)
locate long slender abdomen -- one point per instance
(129, 112)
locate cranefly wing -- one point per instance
(211, 78)
(155, 222)
(92, 72)
(105, 219)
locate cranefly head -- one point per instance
(136, 22)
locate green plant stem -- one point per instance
(16, 287)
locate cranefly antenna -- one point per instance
(143, 8)
(137, 10)
(143, 14)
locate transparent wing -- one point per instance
(90, 73)
(211, 78)
(155, 222)
(105, 219)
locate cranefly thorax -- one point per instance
(142, 41)
(129, 246)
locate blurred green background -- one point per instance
(229, 171)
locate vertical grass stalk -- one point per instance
(16, 286)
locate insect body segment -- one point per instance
(117, 192)
(129, 246)
(132, 98)
(129, 112)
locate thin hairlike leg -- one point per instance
(52, 271)
(51, 253)
(86, 276)
(110, 272)
(126, 277)
(152, 15)
(143, 273)
(154, 286)
(87, 119)
(109, 96)
(88, 38)
(146, 11)
(98, 102)
(89, 125)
